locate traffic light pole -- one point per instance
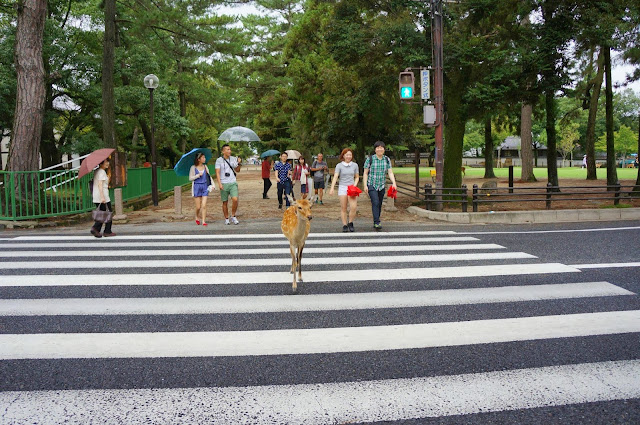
(436, 45)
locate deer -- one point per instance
(296, 222)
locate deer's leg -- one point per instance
(299, 261)
(293, 259)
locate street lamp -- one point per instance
(151, 82)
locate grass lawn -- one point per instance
(540, 173)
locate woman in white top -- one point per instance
(347, 171)
(201, 185)
(101, 199)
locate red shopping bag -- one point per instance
(353, 191)
(392, 192)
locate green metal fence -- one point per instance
(28, 195)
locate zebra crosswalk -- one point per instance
(396, 326)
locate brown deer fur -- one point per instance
(295, 227)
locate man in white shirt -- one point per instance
(226, 168)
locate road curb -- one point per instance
(523, 217)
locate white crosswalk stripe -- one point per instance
(196, 304)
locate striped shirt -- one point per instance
(377, 171)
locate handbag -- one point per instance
(101, 216)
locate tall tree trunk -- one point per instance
(24, 152)
(552, 153)
(526, 142)
(612, 174)
(488, 149)
(108, 59)
(590, 142)
(454, 132)
(526, 124)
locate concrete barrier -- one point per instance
(523, 217)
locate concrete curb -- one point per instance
(521, 217)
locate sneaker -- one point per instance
(198, 222)
(204, 224)
(95, 233)
(345, 229)
(265, 197)
(377, 226)
(226, 221)
(316, 200)
(351, 229)
(280, 206)
(321, 203)
(234, 220)
(108, 235)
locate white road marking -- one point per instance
(315, 340)
(318, 302)
(234, 243)
(245, 278)
(604, 229)
(338, 402)
(229, 236)
(605, 265)
(247, 262)
(226, 252)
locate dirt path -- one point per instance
(252, 206)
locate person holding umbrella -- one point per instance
(101, 199)
(201, 185)
(226, 169)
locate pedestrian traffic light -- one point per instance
(407, 84)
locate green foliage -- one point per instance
(625, 141)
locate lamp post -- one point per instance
(151, 82)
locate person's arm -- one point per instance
(392, 177)
(275, 174)
(356, 178)
(218, 178)
(100, 188)
(314, 169)
(365, 174)
(239, 165)
(333, 181)
(194, 173)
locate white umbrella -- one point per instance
(239, 134)
(293, 154)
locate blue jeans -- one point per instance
(286, 188)
(376, 197)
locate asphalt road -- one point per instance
(417, 324)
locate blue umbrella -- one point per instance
(184, 165)
(270, 152)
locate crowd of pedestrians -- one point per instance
(287, 175)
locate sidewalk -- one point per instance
(255, 212)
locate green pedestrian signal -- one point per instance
(406, 93)
(406, 82)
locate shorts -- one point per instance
(200, 190)
(318, 185)
(304, 188)
(342, 190)
(230, 189)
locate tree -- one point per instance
(569, 136)
(30, 94)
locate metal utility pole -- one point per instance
(438, 97)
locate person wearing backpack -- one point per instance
(375, 169)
